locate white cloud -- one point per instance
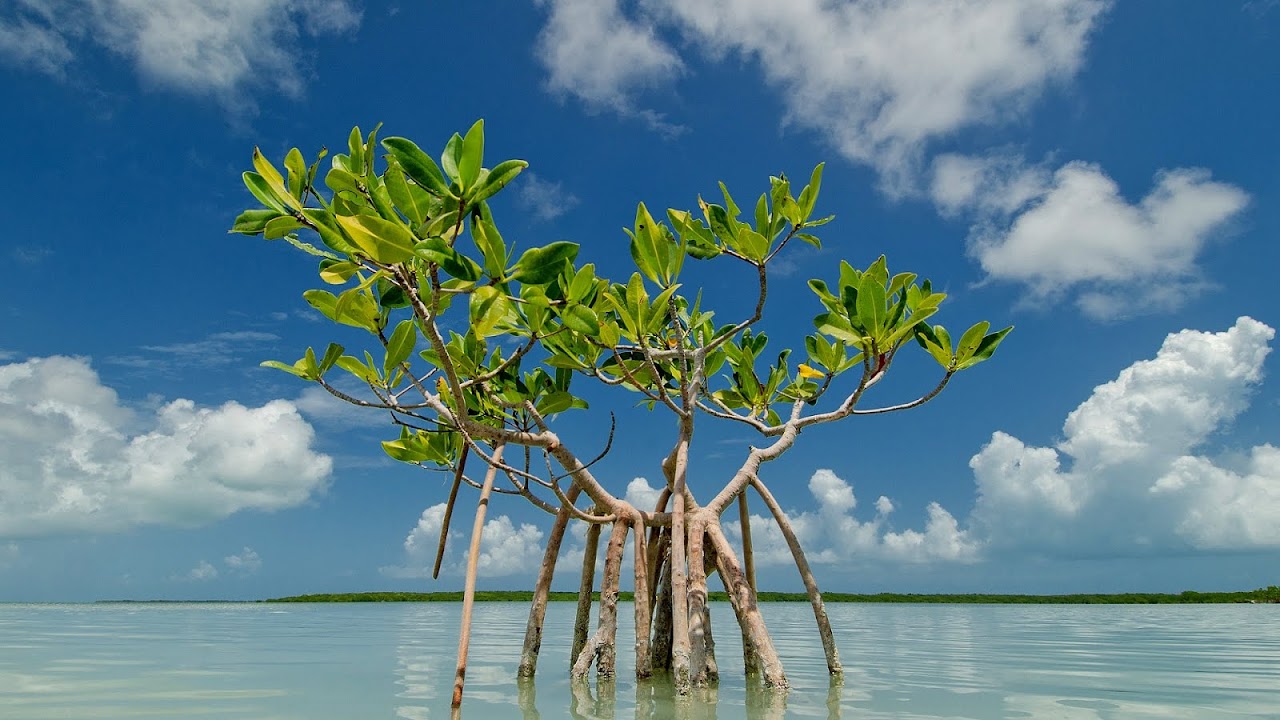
(193, 46)
(1073, 231)
(832, 535)
(880, 80)
(216, 349)
(595, 52)
(1125, 480)
(201, 572)
(246, 561)
(505, 549)
(643, 495)
(545, 199)
(73, 459)
(1134, 483)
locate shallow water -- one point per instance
(329, 661)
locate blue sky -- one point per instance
(1102, 175)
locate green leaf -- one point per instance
(262, 191)
(283, 366)
(329, 231)
(985, 348)
(359, 369)
(331, 355)
(400, 345)
(497, 179)
(582, 319)
(491, 246)
(411, 200)
(490, 308)
(811, 239)
(355, 147)
(354, 312)
(418, 165)
(472, 156)
(539, 266)
(253, 222)
(449, 159)
(970, 341)
(809, 196)
(280, 227)
(273, 179)
(383, 241)
(752, 244)
(648, 256)
(871, 305)
(450, 260)
(297, 168)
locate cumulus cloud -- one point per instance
(1134, 481)
(217, 49)
(831, 534)
(201, 572)
(1130, 476)
(505, 548)
(74, 459)
(643, 495)
(1072, 231)
(880, 80)
(245, 562)
(593, 51)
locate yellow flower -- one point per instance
(808, 372)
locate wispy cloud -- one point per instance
(216, 349)
(222, 50)
(880, 80)
(546, 200)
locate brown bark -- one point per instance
(680, 643)
(602, 647)
(469, 589)
(694, 674)
(538, 608)
(806, 574)
(750, 663)
(660, 650)
(748, 611)
(643, 607)
(582, 622)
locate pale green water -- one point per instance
(322, 662)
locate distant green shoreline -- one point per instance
(1190, 597)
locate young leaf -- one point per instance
(253, 222)
(400, 345)
(262, 191)
(970, 340)
(539, 266)
(418, 165)
(273, 179)
(472, 156)
(383, 241)
(985, 348)
(497, 179)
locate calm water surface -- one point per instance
(321, 662)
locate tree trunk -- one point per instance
(538, 609)
(748, 611)
(469, 589)
(643, 602)
(660, 649)
(806, 574)
(582, 623)
(602, 647)
(697, 606)
(750, 663)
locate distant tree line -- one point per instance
(1189, 597)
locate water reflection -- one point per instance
(347, 662)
